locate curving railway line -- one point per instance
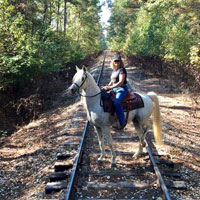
(78, 174)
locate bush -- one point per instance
(35, 55)
(161, 29)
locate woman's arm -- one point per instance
(118, 84)
(110, 83)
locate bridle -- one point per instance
(79, 86)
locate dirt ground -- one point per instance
(27, 156)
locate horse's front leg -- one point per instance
(101, 143)
(106, 131)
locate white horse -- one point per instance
(84, 82)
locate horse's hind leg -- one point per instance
(108, 136)
(145, 128)
(140, 133)
(101, 143)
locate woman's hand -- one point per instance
(107, 87)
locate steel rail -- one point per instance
(70, 189)
(158, 174)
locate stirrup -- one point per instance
(120, 127)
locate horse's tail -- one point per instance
(157, 125)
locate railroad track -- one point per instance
(79, 175)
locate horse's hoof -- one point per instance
(137, 155)
(101, 158)
(113, 165)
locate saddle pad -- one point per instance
(108, 104)
(134, 103)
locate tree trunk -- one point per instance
(50, 8)
(58, 15)
(45, 11)
(65, 15)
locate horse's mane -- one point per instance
(92, 81)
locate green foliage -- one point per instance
(138, 37)
(166, 28)
(177, 43)
(33, 40)
(195, 56)
(3, 134)
(121, 18)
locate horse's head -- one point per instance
(79, 81)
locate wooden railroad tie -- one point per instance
(110, 173)
(58, 179)
(121, 184)
(62, 166)
(112, 199)
(176, 185)
(58, 176)
(55, 186)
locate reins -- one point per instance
(89, 96)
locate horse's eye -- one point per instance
(83, 78)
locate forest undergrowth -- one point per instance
(26, 101)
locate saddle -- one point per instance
(131, 102)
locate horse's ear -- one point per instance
(84, 68)
(77, 69)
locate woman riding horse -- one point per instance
(84, 83)
(118, 84)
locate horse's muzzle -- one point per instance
(69, 92)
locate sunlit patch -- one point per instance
(35, 123)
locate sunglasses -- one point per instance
(117, 61)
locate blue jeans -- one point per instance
(120, 93)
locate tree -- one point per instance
(122, 17)
(42, 36)
(166, 28)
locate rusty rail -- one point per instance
(158, 174)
